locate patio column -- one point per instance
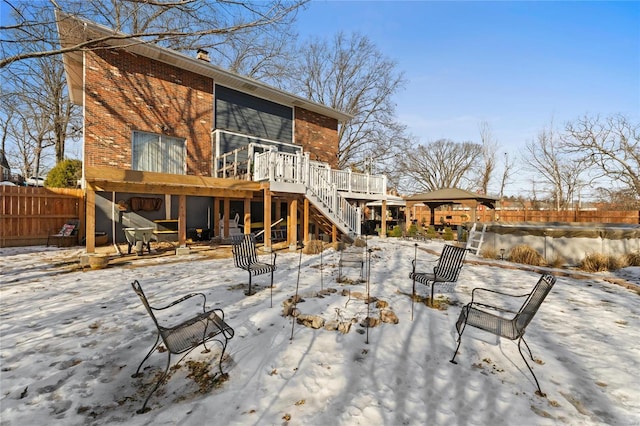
(305, 221)
(227, 213)
(90, 226)
(216, 218)
(182, 220)
(292, 224)
(383, 231)
(267, 219)
(247, 215)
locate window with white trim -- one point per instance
(158, 153)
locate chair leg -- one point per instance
(137, 373)
(455, 353)
(539, 391)
(144, 408)
(249, 292)
(530, 354)
(460, 331)
(224, 348)
(271, 291)
(433, 286)
(413, 296)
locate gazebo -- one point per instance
(449, 196)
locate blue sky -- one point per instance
(515, 65)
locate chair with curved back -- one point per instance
(486, 317)
(199, 327)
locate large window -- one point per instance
(245, 114)
(158, 153)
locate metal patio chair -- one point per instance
(199, 327)
(445, 273)
(245, 256)
(475, 314)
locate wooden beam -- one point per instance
(149, 188)
(109, 179)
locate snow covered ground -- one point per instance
(70, 341)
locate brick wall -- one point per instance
(318, 135)
(126, 92)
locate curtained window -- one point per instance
(158, 153)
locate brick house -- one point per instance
(175, 143)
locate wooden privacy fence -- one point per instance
(28, 215)
(458, 217)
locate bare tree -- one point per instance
(350, 74)
(38, 111)
(176, 24)
(489, 147)
(441, 164)
(559, 171)
(612, 145)
(33, 75)
(506, 173)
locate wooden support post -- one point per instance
(277, 215)
(167, 206)
(292, 222)
(267, 218)
(227, 213)
(383, 231)
(334, 233)
(182, 220)
(247, 215)
(216, 218)
(90, 226)
(305, 221)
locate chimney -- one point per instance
(203, 55)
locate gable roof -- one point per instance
(73, 31)
(3, 161)
(452, 196)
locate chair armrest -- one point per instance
(182, 299)
(497, 308)
(225, 329)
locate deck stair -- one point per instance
(328, 190)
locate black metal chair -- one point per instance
(445, 273)
(196, 330)
(474, 314)
(245, 256)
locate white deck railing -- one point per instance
(322, 182)
(294, 168)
